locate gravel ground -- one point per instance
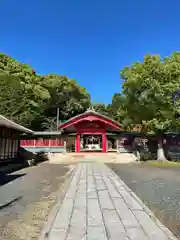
(158, 188)
(26, 197)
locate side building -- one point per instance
(10, 135)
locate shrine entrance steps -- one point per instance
(94, 157)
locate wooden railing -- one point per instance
(42, 143)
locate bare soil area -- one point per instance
(26, 198)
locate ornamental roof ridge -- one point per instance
(90, 109)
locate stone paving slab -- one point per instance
(99, 206)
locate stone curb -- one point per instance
(169, 234)
(48, 225)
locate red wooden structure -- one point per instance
(42, 142)
(90, 123)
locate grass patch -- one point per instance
(163, 164)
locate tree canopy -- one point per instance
(148, 88)
(32, 100)
(146, 98)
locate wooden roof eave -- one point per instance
(89, 112)
(43, 134)
(5, 122)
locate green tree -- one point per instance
(32, 100)
(65, 94)
(22, 79)
(118, 110)
(18, 102)
(101, 108)
(12, 67)
(148, 88)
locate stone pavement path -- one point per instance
(98, 205)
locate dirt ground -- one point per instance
(158, 187)
(26, 198)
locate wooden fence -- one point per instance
(41, 142)
(43, 145)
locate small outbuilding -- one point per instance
(10, 135)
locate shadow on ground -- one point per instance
(25, 202)
(6, 178)
(10, 203)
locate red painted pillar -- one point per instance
(104, 143)
(78, 142)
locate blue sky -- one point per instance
(89, 41)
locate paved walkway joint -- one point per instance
(99, 206)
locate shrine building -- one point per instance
(86, 132)
(91, 131)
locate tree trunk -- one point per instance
(160, 151)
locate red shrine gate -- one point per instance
(92, 124)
